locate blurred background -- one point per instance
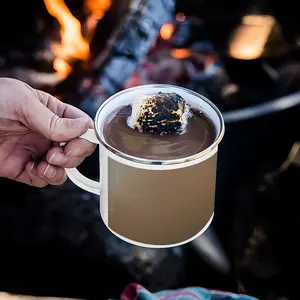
(245, 57)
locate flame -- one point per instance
(167, 31)
(96, 10)
(72, 45)
(62, 67)
(72, 42)
(180, 53)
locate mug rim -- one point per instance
(147, 161)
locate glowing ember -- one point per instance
(180, 53)
(167, 31)
(180, 17)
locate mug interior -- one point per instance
(128, 96)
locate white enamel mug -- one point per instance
(154, 203)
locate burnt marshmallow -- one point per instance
(161, 113)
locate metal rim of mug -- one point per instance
(135, 159)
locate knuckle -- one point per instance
(52, 126)
(54, 129)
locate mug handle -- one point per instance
(75, 176)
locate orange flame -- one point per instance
(97, 10)
(181, 53)
(73, 44)
(62, 67)
(167, 31)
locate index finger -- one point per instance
(60, 108)
(72, 112)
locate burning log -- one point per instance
(125, 50)
(133, 41)
(69, 55)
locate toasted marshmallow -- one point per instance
(162, 113)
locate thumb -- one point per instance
(64, 129)
(55, 128)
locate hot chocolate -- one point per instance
(198, 134)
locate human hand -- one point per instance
(32, 123)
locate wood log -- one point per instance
(126, 49)
(131, 42)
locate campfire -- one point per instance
(84, 51)
(74, 44)
(153, 44)
(64, 35)
(255, 45)
(87, 47)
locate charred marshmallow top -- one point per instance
(162, 113)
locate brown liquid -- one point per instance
(200, 133)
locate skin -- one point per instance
(32, 123)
